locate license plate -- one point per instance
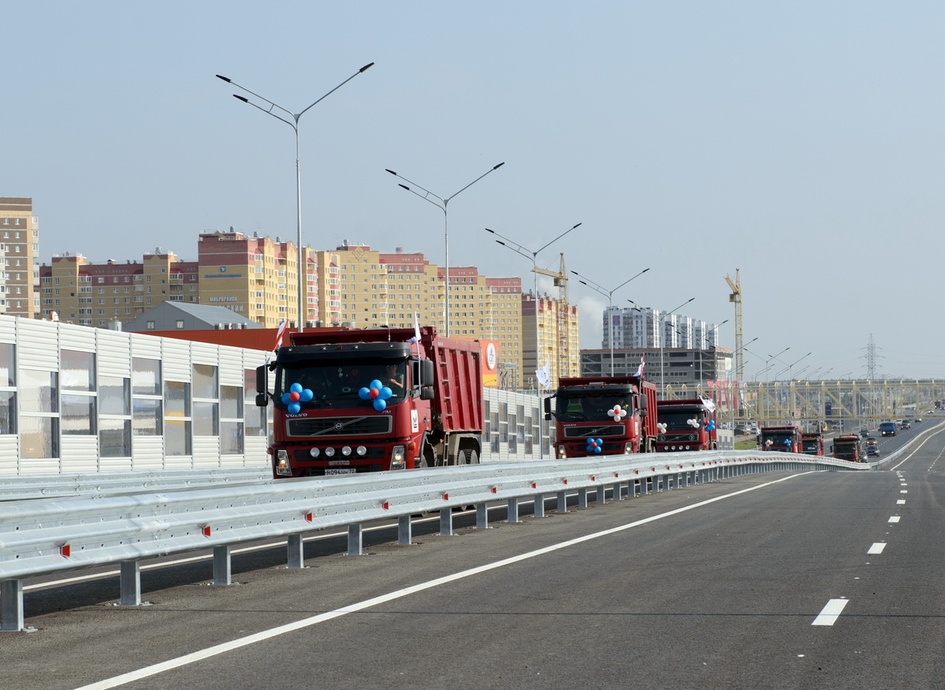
(340, 470)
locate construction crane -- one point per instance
(562, 320)
(736, 297)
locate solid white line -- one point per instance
(202, 654)
(830, 612)
(894, 518)
(876, 548)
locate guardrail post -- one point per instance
(562, 502)
(618, 491)
(355, 541)
(11, 607)
(446, 522)
(222, 569)
(601, 495)
(644, 486)
(294, 555)
(482, 515)
(404, 530)
(539, 509)
(130, 582)
(582, 497)
(513, 510)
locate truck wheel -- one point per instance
(473, 457)
(462, 457)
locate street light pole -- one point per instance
(661, 329)
(442, 203)
(533, 255)
(294, 124)
(610, 305)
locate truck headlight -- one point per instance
(398, 459)
(562, 453)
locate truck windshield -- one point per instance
(776, 441)
(679, 419)
(337, 385)
(590, 407)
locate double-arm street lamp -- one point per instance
(790, 367)
(442, 203)
(292, 119)
(768, 364)
(533, 255)
(609, 294)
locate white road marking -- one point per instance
(901, 502)
(876, 548)
(261, 636)
(894, 518)
(830, 612)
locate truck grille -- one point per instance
(603, 430)
(340, 426)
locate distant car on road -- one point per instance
(887, 429)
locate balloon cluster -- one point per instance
(661, 427)
(787, 442)
(295, 396)
(595, 445)
(618, 413)
(377, 392)
(694, 423)
(710, 425)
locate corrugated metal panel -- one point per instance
(79, 454)
(37, 344)
(204, 353)
(254, 451)
(8, 329)
(147, 452)
(146, 346)
(39, 466)
(176, 356)
(115, 465)
(9, 454)
(231, 366)
(72, 337)
(177, 462)
(206, 451)
(114, 353)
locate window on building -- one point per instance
(206, 410)
(177, 418)
(39, 413)
(79, 402)
(7, 388)
(147, 397)
(114, 407)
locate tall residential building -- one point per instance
(557, 332)
(19, 238)
(90, 294)
(256, 277)
(644, 327)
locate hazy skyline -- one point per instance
(799, 143)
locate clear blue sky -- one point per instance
(798, 142)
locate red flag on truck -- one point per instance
(280, 334)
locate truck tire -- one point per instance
(462, 457)
(473, 457)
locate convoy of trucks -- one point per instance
(603, 415)
(685, 425)
(348, 401)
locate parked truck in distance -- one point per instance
(812, 443)
(348, 401)
(786, 439)
(847, 448)
(603, 415)
(684, 425)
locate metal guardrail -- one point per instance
(109, 483)
(58, 534)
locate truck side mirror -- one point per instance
(546, 404)
(262, 386)
(642, 398)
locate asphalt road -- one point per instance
(773, 580)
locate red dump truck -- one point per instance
(847, 447)
(786, 439)
(603, 415)
(349, 400)
(686, 425)
(812, 443)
